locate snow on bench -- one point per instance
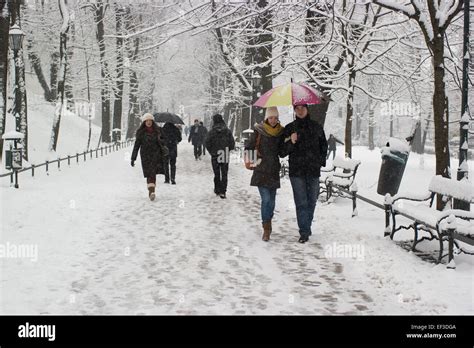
(427, 218)
(340, 179)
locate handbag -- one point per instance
(251, 165)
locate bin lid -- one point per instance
(398, 145)
(13, 135)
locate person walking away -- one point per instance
(195, 138)
(203, 136)
(149, 140)
(186, 131)
(332, 146)
(306, 145)
(265, 147)
(219, 142)
(172, 136)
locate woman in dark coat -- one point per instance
(264, 148)
(149, 141)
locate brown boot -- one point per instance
(151, 191)
(267, 230)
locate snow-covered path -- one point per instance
(104, 248)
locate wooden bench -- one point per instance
(339, 180)
(450, 225)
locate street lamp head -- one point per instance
(16, 37)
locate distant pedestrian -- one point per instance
(149, 140)
(264, 148)
(306, 144)
(203, 134)
(186, 131)
(195, 138)
(219, 142)
(172, 136)
(332, 145)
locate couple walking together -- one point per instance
(304, 141)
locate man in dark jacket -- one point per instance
(172, 136)
(219, 142)
(195, 137)
(203, 135)
(305, 142)
(332, 145)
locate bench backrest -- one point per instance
(346, 163)
(461, 190)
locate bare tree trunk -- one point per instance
(371, 125)
(440, 114)
(349, 114)
(117, 119)
(134, 104)
(36, 65)
(69, 78)
(101, 7)
(53, 74)
(62, 74)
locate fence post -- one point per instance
(32, 170)
(59, 163)
(16, 179)
(68, 160)
(96, 153)
(85, 156)
(91, 153)
(101, 151)
(77, 158)
(387, 206)
(353, 190)
(11, 179)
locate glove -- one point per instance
(133, 163)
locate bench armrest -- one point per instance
(344, 175)
(416, 198)
(457, 213)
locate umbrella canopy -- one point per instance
(291, 94)
(163, 117)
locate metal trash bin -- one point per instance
(394, 161)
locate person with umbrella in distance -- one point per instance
(219, 142)
(203, 136)
(149, 141)
(264, 148)
(306, 145)
(332, 146)
(172, 136)
(195, 138)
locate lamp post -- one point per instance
(16, 37)
(463, 168)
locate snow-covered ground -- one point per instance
(104, 248)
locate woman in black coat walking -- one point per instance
(264, 148)
(149, 141)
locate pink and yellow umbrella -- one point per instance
(290, 94)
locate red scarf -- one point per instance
(149, 130)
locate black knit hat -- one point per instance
(305, 105)
(217, 118)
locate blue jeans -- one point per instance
(268, 202)
(305, 194)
